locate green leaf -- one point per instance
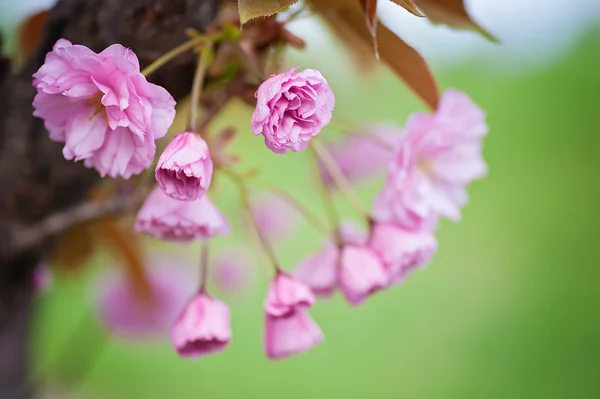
(250, 9)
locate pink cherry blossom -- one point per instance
(402, 250)
(437, 157)
(184, 169)
(101, 107)
(129, 314)
(290, 335)
(289, 329)
(202, 327)
(360, 157)
(362, 273)
(291, 108)
(320, 271)
(42, 278)
(286, 295)
(276, 218)
(232, 269)
(181, 221)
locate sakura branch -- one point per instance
(109, 116)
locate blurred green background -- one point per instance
(510, 307)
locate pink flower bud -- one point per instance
(360, 157)
(202, 327)
(320, 271)
(291, 108)
(288, 327)
(402, 250)
(181, 221)
(127, 314)
(290, 335)
(101, 107)
(42, 278)
(232, 269)
(184, 169)
(286, 295)
(361, 273)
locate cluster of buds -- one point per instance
(105, 112)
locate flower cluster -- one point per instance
(106, 113)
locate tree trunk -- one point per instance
(35, 179)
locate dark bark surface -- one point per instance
(35, 179)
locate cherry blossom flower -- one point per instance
(437, 157)
(181, 221)
(101, 107)
(184, 169)
(289, 329)
(291, 109)
(202, 327)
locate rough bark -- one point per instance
(35, 179)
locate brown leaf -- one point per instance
(29, 34)
(127, 246)
(403, 59)
(250, 9)
(451, 13)
(370, 8)
(75, 247)
(334, 12)
(409, 5)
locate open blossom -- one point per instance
(291, 108)
(232, 269)
(360, 157)
(437, 157)
(101, 107)
(184, 169)
(181, 221)
(320, 271)
(402, 250)
(289, 329)
(132, 314)
(275, 216)
(362, 273)
(202, 327)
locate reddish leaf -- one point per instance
(348, 23)
(126, 245)
(370, 8)
(409, 65)
(451, 13)
(75, 247)
(409, 5)
(30, 33)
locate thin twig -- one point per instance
(338, 177)
(203, 60)
(163, 59)
(203, 266)
(25, 238)
(244, 194)
(313, 219)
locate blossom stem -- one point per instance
(306, 213)
(182, 48)
(361, 131)
(330, 210)
(203, 61)
(252, 61)
(203, 266)
(264, 242)
(338, 177)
